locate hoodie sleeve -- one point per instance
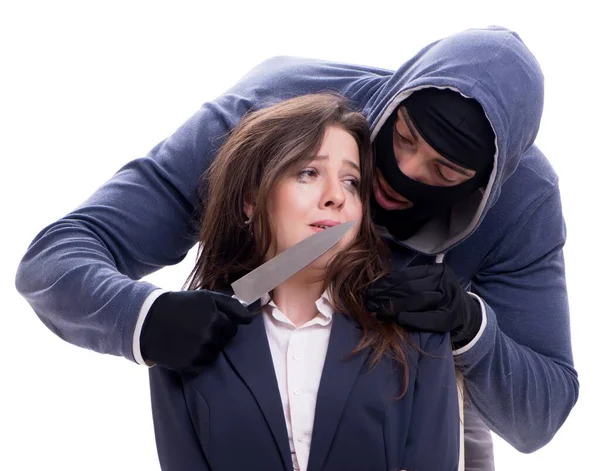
(519, 375)
(81, 273)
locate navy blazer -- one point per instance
(229, 417)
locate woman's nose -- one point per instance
(333, 194)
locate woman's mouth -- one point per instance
(322, 225)
(387, 202)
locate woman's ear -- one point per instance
(249, 211)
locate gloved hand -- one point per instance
(427, 298)
(185, 330)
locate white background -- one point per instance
(87, 86)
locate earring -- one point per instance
(248, 223)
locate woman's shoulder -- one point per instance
(431, 342)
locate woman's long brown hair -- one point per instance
(259, 152)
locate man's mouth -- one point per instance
(387, 202)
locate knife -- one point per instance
(272, 273)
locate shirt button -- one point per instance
(300, 439)
(297, 392)
(296, 357)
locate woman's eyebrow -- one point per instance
(346, 161)
(352, 164)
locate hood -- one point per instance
(493, 66)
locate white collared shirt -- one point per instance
(298, 356)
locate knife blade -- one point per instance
(272, 273)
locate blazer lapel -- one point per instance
(250, 356)
(339, 374)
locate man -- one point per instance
(458, 178)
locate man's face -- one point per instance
(418, 161)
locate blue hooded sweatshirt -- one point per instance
(82, 273)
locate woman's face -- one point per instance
(321, 193)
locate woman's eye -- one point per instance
(354, 183)
(306, 174)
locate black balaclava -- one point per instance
(457, 128)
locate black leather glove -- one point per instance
(185, 330)
(428, 298)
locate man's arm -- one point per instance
(81, 273)
(519, 373)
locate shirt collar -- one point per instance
(323, 304)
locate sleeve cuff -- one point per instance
(137, 332)
(472, 343)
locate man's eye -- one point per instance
(404, 139)
(445, 178)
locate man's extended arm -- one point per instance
(519, 374)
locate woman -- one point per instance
(314, 381)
